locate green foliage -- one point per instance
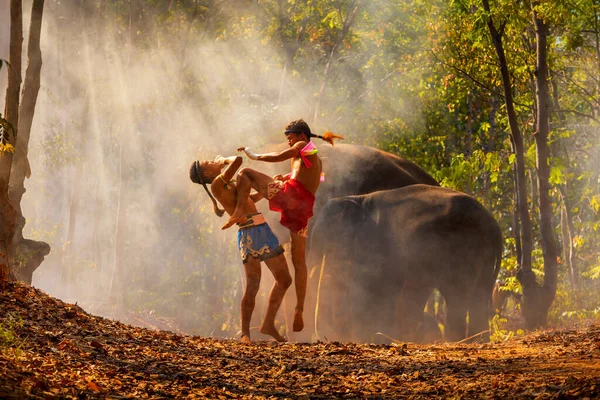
(6, 129)
(581, 315)
(498, 334)
(575, 306)
(8, 337)
(594, 271)
(499, 331)
(61, 149)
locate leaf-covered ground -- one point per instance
(49, 349)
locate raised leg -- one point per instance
(279, 268)
(252, 270)
(247, 180)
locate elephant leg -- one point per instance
(478, 315)
(409, 310)
(341, 311)
(364, 310)
(322, 309)
(429, 330)
(456, 319)
(380, 313)
(337, 301)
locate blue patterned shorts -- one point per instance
(258, 241)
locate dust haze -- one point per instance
(118, 121)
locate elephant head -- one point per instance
(334, 238)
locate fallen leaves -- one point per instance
(59, 351)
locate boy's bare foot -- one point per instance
(271, 331)
(245, 339)
(298, 321)
(234, 219)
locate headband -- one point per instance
(309, 133)
(196, 177)
(196, 173)
(327, 136)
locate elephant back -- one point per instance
(355, 170)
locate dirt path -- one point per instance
(59, 351)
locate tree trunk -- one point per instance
(346, 27)
(116, 280)
(287, 51)
(517, 143)
(533, 190)
(29, 253)
(11, 114)
(537, 302)
(31, 87)
(567, 230)
(491, 143)
(468, 149)
(516, 225)
(116, 288)
(288, 48)
(66, 260)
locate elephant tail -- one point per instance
(497, 252)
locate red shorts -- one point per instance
(294, 202)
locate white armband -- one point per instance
(251, 155)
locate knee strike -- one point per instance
(243, 174)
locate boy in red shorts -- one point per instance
(292, 195)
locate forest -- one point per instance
(108, 102)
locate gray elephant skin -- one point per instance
(387, 250)
(349, 170)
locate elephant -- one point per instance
(349, 170)
(386, 251)
(354, 169)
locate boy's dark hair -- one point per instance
(300, 126)
(196, 177)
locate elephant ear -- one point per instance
(339, 218)
(351, 210)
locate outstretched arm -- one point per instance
(277, 156)
(233, 164)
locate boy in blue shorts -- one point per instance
(256, 241)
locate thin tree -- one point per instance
(116, 280)
(516, 138)
(536, 298)
(290, 48)
(31, 253)
(346, 24)
(9, 135)
(536, 314)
